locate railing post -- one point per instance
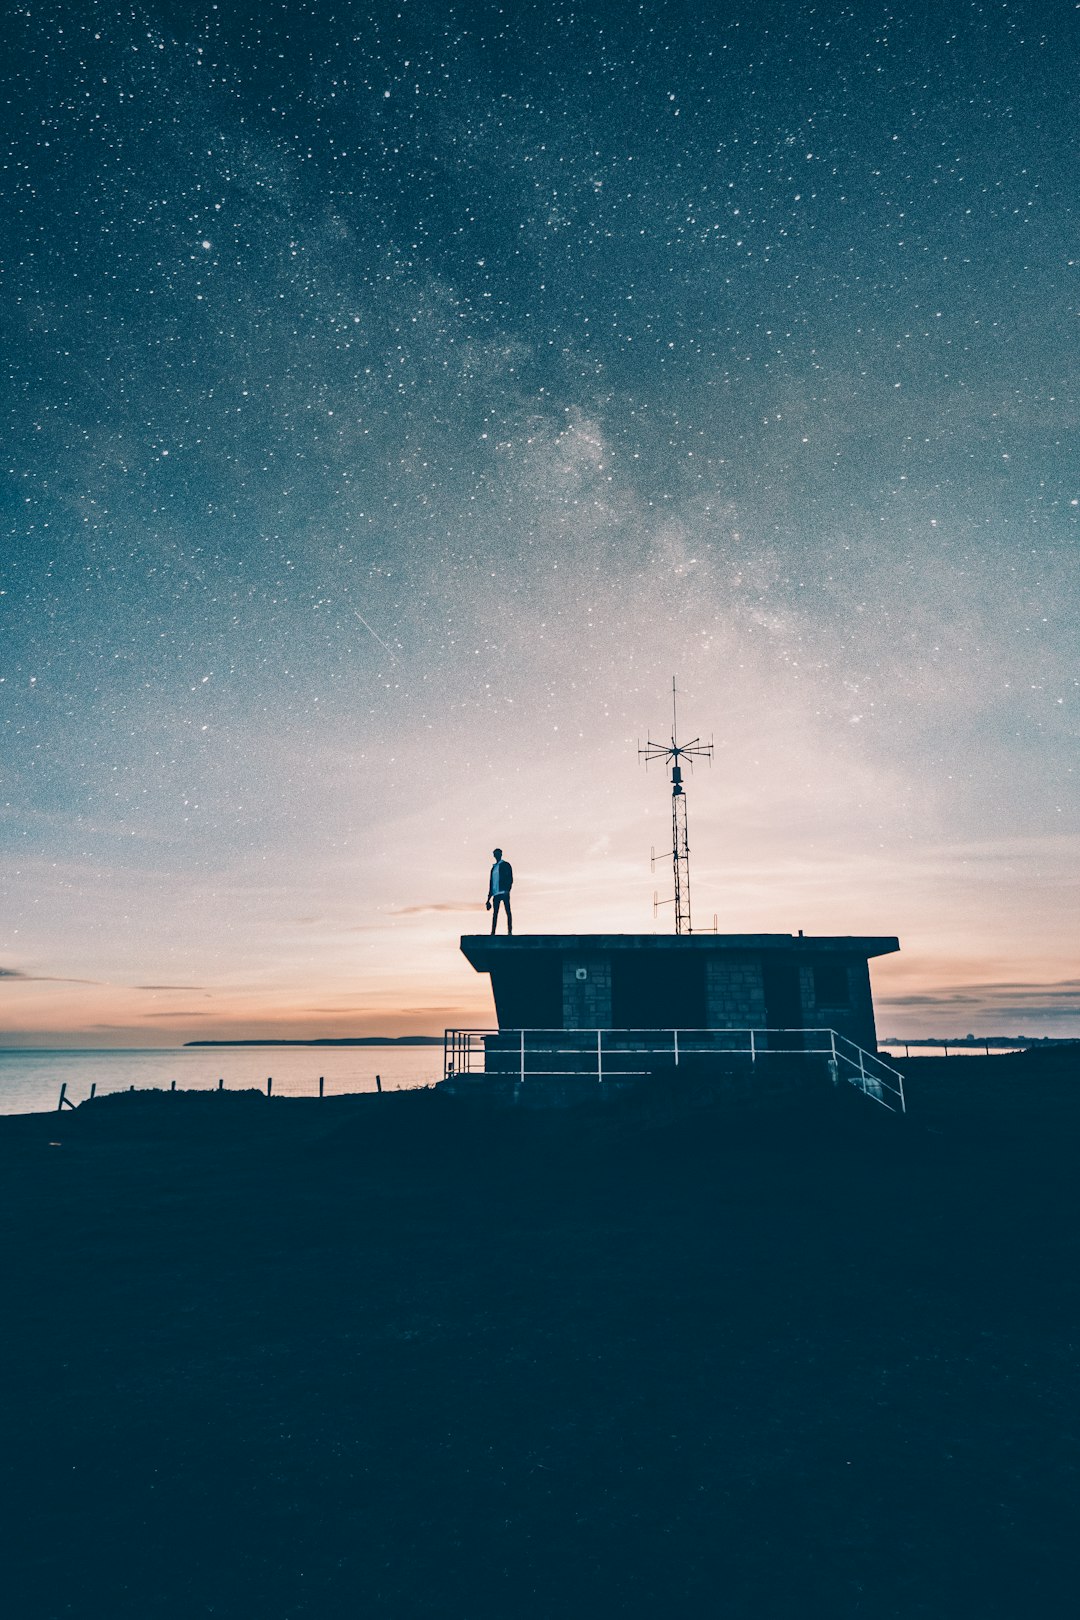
(753, 1048)
(599, 1057)
(269, 1084)
(63, 1098)
(675, 1033)
(522, 1070)
(322, 1084)
(93, 1089)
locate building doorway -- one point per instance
(783, 1000)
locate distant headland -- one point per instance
(343, 1040)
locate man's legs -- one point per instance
(501, 900)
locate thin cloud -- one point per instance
(999, 999)
(1057, 987)
(441, 905)
(428, 1012)
(168, 987)
(929, 1001)
(1030, 1010)
(41, 978)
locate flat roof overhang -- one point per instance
(485, 951)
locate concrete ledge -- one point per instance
(484, 951)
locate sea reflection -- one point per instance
(30, 1081)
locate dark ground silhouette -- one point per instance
(274, 1359)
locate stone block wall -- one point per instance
(734, 993)
(812, 1017)
(863, 1030)
(586, 1000)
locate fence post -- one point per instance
(93, 1089)
(753, 1047)
(173, 1086)
(269, 1084)
(521, 1076)
(675, 1034)
(63, 1098)
(599, 1057)
(221, 1083)
(322, 1079)
(378, 1083)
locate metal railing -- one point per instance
(870, 1073)
(608, 1054)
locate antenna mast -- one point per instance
(673, 753)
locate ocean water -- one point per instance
(899, 1049)
(30, 1081)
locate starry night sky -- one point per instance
(400, 394)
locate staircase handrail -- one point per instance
(868, 1072)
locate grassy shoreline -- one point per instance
(389, 1356)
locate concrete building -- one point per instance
(572, 1009)
(691, 982)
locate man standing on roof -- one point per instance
(499, 886)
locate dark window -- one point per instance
(528, 992)
(832, 986)
(657, 990)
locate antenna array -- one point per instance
(673, 753)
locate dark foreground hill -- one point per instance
(279, 1360)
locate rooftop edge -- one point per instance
(482, 950)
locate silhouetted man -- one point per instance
(499, 886)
